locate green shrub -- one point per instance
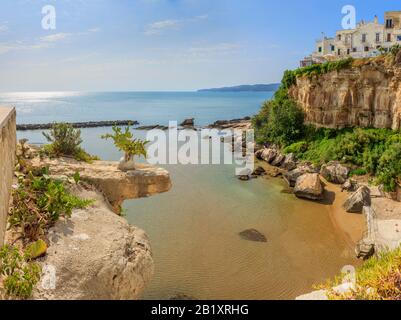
(19, 276)
(65, 141)
(38, 203)
(125, 142)
(358, 172)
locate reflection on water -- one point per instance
(194, 231)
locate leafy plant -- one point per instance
(38, 202)
(124, 141)
(65, 141)
(19, 275)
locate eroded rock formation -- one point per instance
(368, 95)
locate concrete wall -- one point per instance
(7, 155)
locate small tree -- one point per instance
(124, 141)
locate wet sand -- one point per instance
(350, 225)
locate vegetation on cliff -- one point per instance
(38, 201)
(374, 151)
(379, 278)
(65, 141)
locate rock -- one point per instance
(258, 154)
(253, 235)
(116, 185)
(292, 176)
(350, 185)
(126, 165)
(268, 155)
(36, 249)
(259, 171)
(290, 162)
(309, 186)
(365, 249)
(278, 160)
(244, 178)
(188, 123)
(357, 200)
(95, 255)
(89, 124)
(287, 191)
(335, 172)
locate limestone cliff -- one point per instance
(366, 95)
(96, 254)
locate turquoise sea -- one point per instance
(194, 228)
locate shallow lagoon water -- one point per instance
(194, 229)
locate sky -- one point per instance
(162, 45)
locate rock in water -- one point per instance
(309, 186)
(188, 123)
(253, 235)
(290, 162)
(335, 172)
(358, 200)
(259, 171)
(292, 176)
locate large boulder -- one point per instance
(290, 162)
(292, 176)
(309, 186)
(95, 255)
(357, 200)
(335, 172)
(278, 160)
(269, 155)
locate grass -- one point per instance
(379, 278)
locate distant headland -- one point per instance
(245, 88)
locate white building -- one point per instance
(362, 42)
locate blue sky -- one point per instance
(123, 45)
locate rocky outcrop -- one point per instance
(357, 200)
(366, 95)
(292, 176)
(290, 162)
(95, 255)
(309, 186)
(335, 172)
(188, 123)
(116, 185)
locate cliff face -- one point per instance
(366, 95)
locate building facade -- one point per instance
(366, 40)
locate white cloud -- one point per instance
(3, 28)
(55, 37)
(159, 27)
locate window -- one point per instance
(339, 52)
(364, 38)
(366, 49)
(320, 49)
(348, 51)
(399, 38)
(389, 23)
(388, 37)
(377, 37)
(339, 37)
(333, 48)
(354, 49)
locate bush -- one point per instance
(19, 276)
(65, 141)
(125, 142)
(38, 203)
(280, 121)
(358, 172)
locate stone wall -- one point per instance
(7, 154)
